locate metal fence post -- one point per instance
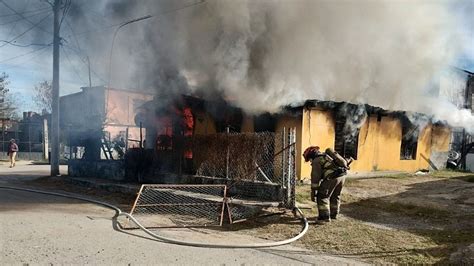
(29, 142)
(227, 154)
(283, 157)
(291, 176)
(3, 135)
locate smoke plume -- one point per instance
(266, 54)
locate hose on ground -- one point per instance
(168, 239)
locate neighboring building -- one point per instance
(10, 130)
(32, 131)
(98, 113)
(28, 133)
(457, 86)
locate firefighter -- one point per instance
(327, 180)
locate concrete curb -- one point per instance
(131, 189)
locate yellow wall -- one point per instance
(247, 124)
(203, 123)
(379, 143)
(388, 146)
(288, 121)
(318, 130)
(367, 141)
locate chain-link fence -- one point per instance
(240, 174)
(238, 156)
(258, 166)
(180, 205)
(29, 137)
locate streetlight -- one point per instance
(140, 19)
(113, 41)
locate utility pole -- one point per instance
(55, 93)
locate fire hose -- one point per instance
(119, 213)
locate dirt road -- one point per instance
(44, 229)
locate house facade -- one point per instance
(378, 140)
(383, 141)
(97, 113)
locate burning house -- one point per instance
(178, 133)
(378, 140)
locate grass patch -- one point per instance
(303, 193)
(449, 173)
(349, 237)
(403, 209)
(385, 229)
(399, 176)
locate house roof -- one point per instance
(370, 109)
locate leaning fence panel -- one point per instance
(180, 205)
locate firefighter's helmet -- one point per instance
(310, 153)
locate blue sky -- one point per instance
(27, 67)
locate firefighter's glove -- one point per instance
(314, 192)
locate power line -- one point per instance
(153, 16)
(26, 12)
(16, 23)
(84, 61)
(66, 8)
(21, 15)
(79, 51)
(29, 29)
(19, 19)
(73, 35)
(72, 65)
(21, 55)
(25, 45)
(25, 59)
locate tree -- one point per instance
(43, 97)
(7, 109)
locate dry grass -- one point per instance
(390, 225)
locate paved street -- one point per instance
(46, 229)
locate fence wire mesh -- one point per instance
(239, 156)
(258, 166)
(179, 205)
(248, 172)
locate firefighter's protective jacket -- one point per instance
(322, 167)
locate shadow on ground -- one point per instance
(440, 212)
